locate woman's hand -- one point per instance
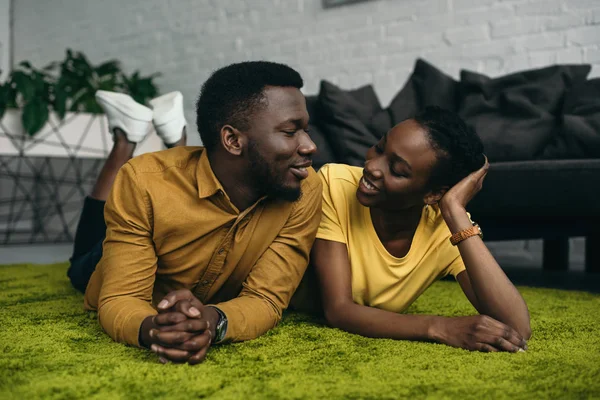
(463, 192)
(477, 333)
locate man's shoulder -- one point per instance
(312, 182)
(160, 161)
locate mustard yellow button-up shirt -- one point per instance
(170, 226)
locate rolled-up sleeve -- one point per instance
(274, 278)
(129, 262)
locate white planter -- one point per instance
(77, 135)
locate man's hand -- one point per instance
(477, 333)
(183, 329)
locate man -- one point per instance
(218, 237)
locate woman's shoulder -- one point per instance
(437, 230)
(435, 221)
(340, 175)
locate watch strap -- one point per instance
(465, 234)
(221, 328)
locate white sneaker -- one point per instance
(169, 120)
(126, 114)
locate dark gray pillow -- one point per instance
(427, 86)
(325, 152)
(579, 134)
(344, 117)
(516, 115)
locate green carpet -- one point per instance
(51, 348)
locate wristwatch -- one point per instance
(221, 328)
(466, 233)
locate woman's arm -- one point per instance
(332, 266)
(484, 283)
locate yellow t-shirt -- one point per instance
(378, 278)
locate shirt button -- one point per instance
(221, 250)
(205, 282)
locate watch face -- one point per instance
(221, 328)
(480, 231)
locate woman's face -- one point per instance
(397, 169)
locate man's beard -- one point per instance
(268, 180)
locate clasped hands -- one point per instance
(183, 329)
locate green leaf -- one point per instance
(6, 93)
(108, 68)
(35, 115)
(77, 104)
(24, 84)
(39, 83)
(25, 64)
(51, 66)
(140, 88)
(69, 81)
(10, 96)
(108, 84)
(60, 104)
(81, 66)
(90, 105)
(3, 99)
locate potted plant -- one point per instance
(52, 111)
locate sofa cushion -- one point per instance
(515, 115)
(579, 134)
(344, 119)
(427, 86)
(325, 153)
(545, 188)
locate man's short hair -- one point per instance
(234, 93)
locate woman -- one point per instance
(385, 237)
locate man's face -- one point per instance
(279, 148)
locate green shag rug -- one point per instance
(51, 348)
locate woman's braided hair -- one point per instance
(459, 148)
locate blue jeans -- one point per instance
(87, 249)
(82, 267)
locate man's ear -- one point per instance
(434, 196)
(233, 140)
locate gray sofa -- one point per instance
(541, 131)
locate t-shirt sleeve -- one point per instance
(455, 267)
(330, 227)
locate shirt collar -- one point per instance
(208, 184)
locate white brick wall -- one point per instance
(4, 39)
(375, 41)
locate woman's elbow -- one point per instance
(331, 318)
(334, 317)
